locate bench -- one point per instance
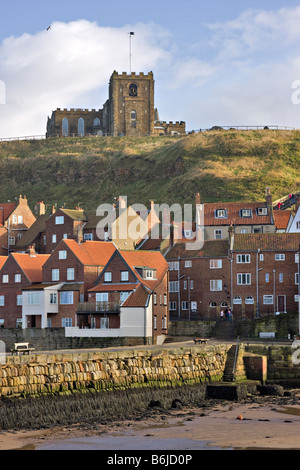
(200, 340)
(22, 348)
(267, 334)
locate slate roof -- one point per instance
(233, 210)
(210, 249)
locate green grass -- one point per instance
(221, 165)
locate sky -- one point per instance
(214, 62)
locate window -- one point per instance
(184, 305)
(268, 299)
(297, 278)
(96, 122)
(244, 279)
(65, 127)
(249, 300)
(133, 118)
(81, 127)
(107, 276)
(59, 220)
(20, 219)
(280, 277)
(19, 299)
(70, 274)
(165, 299)
(215, 264)
(62, 254)
(53, 298)
(17, 277)
(33, 298)
(173, 265)
(212, 304)
(54, 238)
(261, 257)
(164, 322)
(172, 305)
(14, 219)
(2, 301)
(246, 213)
(123, 296)
(155, 322)
(104, 323)
(243, 258)
(65, 322)
(154, 298)
(66, 298)
(102, 297)
(124, 275)
(194, 306)
(216, 285)
(173, 286)
(262, 211)
(218, 234)
(11, 240)
(5, 278)
(237, 300)
(149, 274)
(55, 274)
(65, 236)
(221, 213)
(185, 285)
(296, 257)
(279, 257)
(188, 264)
(244, 230)
(267, 277)
(88, 236)
(191, 284)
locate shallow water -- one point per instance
(127, 443)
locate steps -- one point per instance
(228, 375)
(224, 330)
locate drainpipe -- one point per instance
(274, 272)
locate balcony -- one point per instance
(98, 307)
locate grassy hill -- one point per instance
(221, 165)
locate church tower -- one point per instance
(131, 104)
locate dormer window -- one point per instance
(149, 273)
(246, 213)
(262, 211)
(221, 213)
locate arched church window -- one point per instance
(65, 127)
(80, 127)
(133, 118)
(96, 122)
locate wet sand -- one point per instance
(265, 425)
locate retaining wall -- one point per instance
(64, 373)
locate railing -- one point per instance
(98, 307)
(235, 355)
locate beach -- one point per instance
(266, 424)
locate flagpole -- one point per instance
(130, 34)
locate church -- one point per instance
(129, 111)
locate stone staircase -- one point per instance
(229, 375)
(224, 330)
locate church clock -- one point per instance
(132, 89)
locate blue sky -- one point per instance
(214, 62)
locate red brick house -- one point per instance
(199, 280)
(64, 224)
(15, 219)
(19, 270)
(265, 274)
(130, 297)
(67, 275)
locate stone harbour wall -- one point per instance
(68, 372)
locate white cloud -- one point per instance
(68, 66)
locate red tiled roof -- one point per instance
(2, 260)
(91, 253)
(150, 259)
(31, 265)
(137, 298)
(233, 213)
(281, 219)
(113, 287)
(266, 242)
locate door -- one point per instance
(281, 307)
